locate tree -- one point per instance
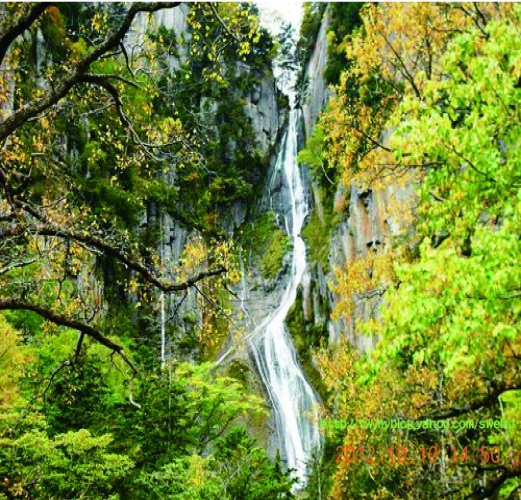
(449, 332)
(102, 130)
(75, 436)
(73, 190)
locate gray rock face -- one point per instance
(318, 91)
(364, 225)
(40, 56)
(263, 296)
(261, 107)
(362, 230)
(234, 217)
(172, 19)
(256, 93)
(7, 104)
(208, 110)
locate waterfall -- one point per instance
(292, 398)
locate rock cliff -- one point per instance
(241, 124)
(363, 225)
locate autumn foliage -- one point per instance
(430, 102)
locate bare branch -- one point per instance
(211, 302)
(130, 393)
(130, 385)
(403, 69)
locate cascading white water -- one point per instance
(293, 400)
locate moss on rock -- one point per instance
(266, 243)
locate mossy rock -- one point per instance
(266, 243)
(306, 336)
(278, 246)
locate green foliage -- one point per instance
(267, 243)
(82, 396)
(313, 156)
(309, 28)
(27, 322)
(345, 18)
(277, 247)
(125, 142)
(286, 57)
(449, 327)
(79, 437)
(238, 469)
(318, 231)
(69, 465)
(53, 29)
(166, 37)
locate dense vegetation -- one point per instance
(102, 142)
(429, 102)
(67, 430)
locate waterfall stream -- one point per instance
(292, 398)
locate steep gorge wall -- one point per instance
(256, 100)
(260, 101)
(318, 91)
(363, 225)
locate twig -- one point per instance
(471, 165)
(222, 23)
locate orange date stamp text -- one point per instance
(412, 455)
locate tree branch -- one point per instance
(10, 35)
(129, 261)
(108, 248)
(404, 71)
(125, 54)
(492, 488)
(222, 23)
(369, 138)
(14, 265)
(103, 81)
(475, 20)
(53, 374)
(79, 345)
(60, 90)
(107, 77)
(60, 319)
(485, 402)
